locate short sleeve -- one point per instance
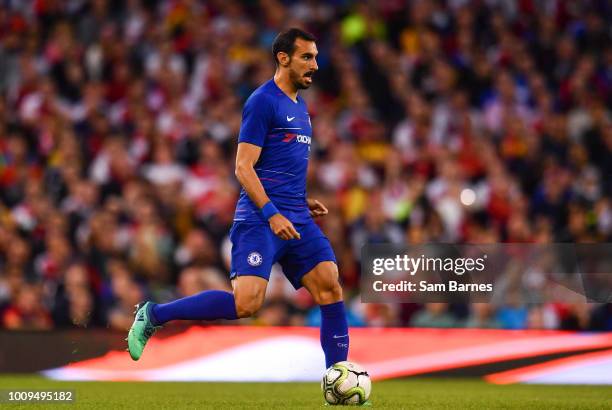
(257, 118)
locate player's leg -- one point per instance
(246, 299)
(207, 305)
(253, 250)
(249, 293)
(310, 262)
(322, 283)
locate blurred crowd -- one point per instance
(467, 121)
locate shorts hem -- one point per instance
(303, 272)
(234, 275)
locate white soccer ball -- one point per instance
(346, 383)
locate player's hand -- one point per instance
(316, 208)
(283, 228)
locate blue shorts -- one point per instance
(255, 249)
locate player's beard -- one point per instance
(299, 80)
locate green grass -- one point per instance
(394, 394)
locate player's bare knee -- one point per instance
(244, 311)
(328, 292)
(247, 304)
(335, 292)
(249, 294)
(247, 308)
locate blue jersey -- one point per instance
(280, 126)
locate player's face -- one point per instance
(303, 63)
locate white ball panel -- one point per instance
(330, 397)
(332, 375)
(346, 385)
(366, 383)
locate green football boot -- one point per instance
(141, 331)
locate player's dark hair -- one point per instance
(285, 41)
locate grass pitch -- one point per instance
(430, 393)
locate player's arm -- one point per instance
(246, 158)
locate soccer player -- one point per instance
(273, 218)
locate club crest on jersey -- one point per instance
(254, 259)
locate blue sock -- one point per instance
(207, 305)
(334, 333)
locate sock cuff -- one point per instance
(151, 312)
(333, 309)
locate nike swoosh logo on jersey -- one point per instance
(289, 119)
(338, 337)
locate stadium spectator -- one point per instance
(434, 315)
(118, 125)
